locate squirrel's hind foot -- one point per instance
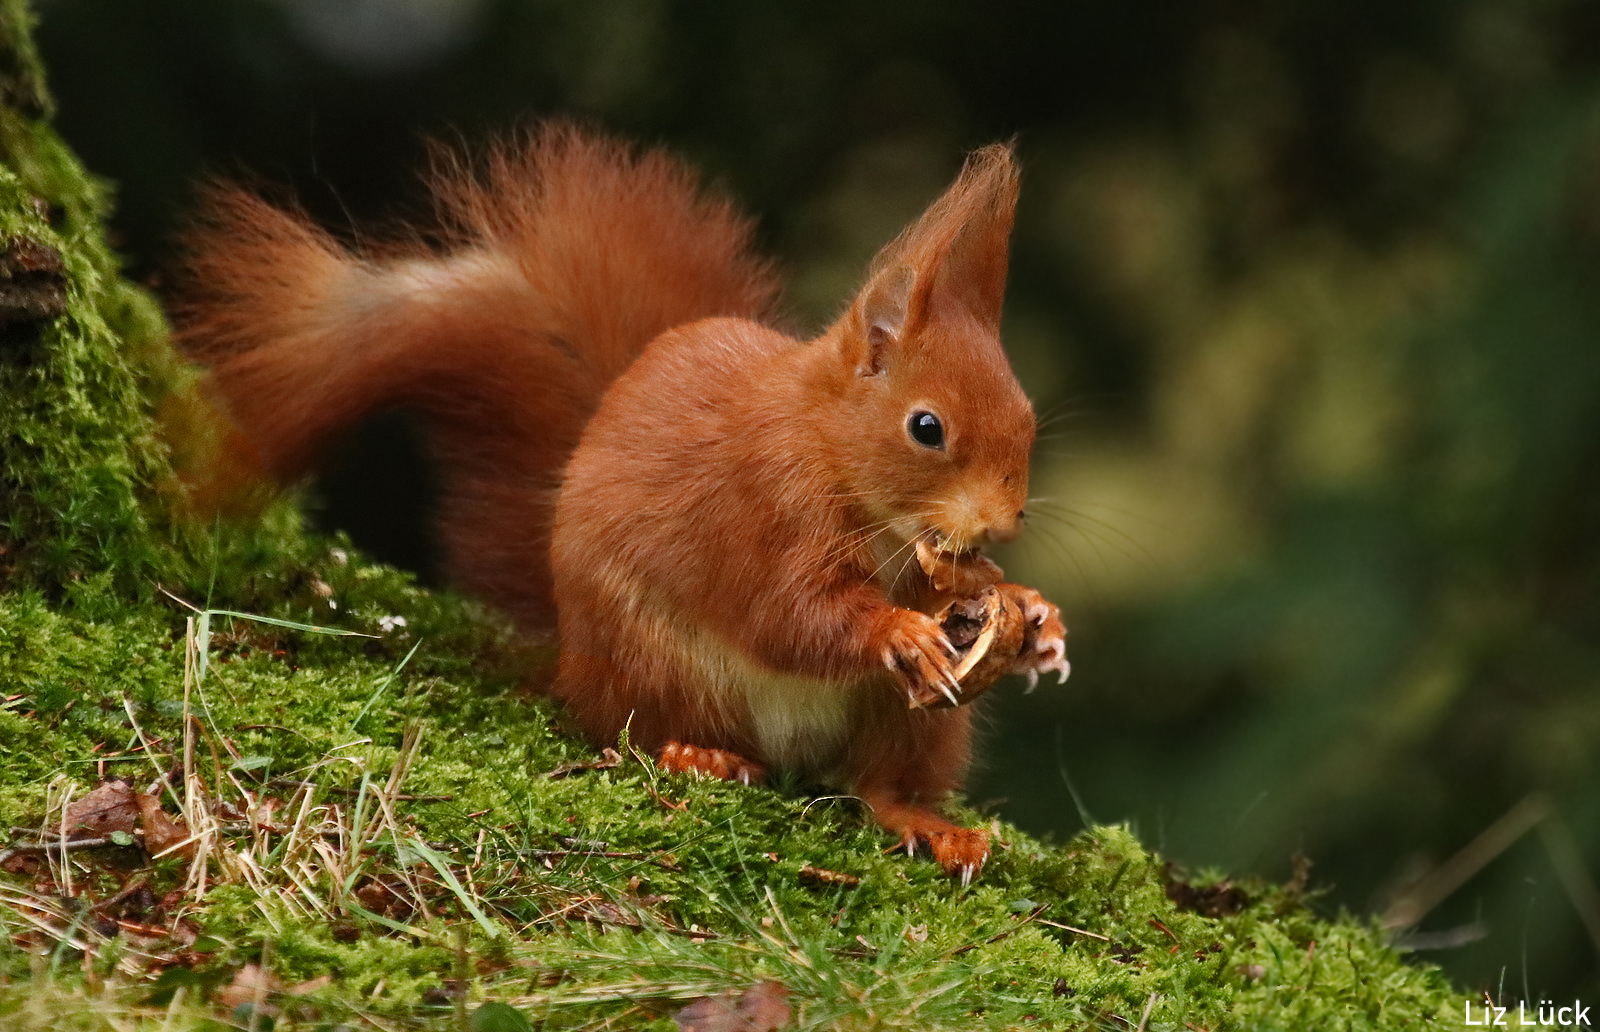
(960, 851)
(719, 763)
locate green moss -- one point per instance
(80, 448)
(905, 947)
(606, 895)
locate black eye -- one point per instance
(925, 428)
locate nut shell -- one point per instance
(987, 632)
(960, 573)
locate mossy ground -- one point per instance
(608, 894)
(375, 820)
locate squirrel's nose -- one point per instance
(1000, 533)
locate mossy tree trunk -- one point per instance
(80, 353)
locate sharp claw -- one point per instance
(1066, 669)
(1033, 680)
(949, 695)
(967, 872)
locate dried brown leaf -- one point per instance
(110, 807)
(310, 985)
(161, 832)
(764, 1007)
(611, 914)
(249, 984)
(1221, 900)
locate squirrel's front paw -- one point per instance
(1044, 636)
(915, 650)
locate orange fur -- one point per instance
(567, 253)
(728, 550)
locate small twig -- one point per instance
(55, 845)
(1149, 1006)
(1170, 933)
(134, 885)
(1075, 931)
(563, 854)
(1433, 888)
(572, 842)
(300, 785)
(399, 797)
(146, 930)
(996, 937)
(102, 760)
(1574, 877)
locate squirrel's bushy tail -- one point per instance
(564, 253)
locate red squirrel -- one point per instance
(720, 521)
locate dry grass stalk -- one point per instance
(305, 866)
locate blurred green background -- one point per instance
(1307, 293)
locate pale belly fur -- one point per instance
(799, 722)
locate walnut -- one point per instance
(987, 632)
(959, 573)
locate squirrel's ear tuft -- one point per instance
(950, 262)
(951, 259)
(975, 215)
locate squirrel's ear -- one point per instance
(888, 309)
(951, 259)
